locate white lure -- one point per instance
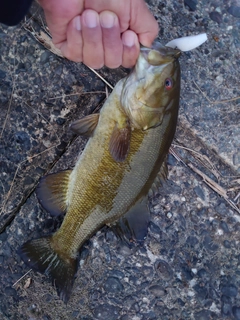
(187, 43)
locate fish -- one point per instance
(122, 163)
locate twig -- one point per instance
(18, 167)
(214, 186)
(176, 155)
(94, 71)
(203, 159)
(215, 102)
(75, 94)
(21, 278)
(8, 110)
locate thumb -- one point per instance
(143, 23)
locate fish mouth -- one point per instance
(159, 54)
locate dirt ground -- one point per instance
(189, 265)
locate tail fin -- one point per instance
(39, 255)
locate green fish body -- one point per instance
(124, 157)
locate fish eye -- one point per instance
(168, 83)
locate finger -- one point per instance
(148, 30)
(58, 15)
(121, 8)
(111, 38)
(72, 47)
(92, 40)
(131, 48)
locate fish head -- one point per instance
(153, 87)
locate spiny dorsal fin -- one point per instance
(39, 255)
(120, 142)
(52, 192)
(133, 226)
(86, 125)
(158, 181)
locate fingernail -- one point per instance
(107, 20)
(90, 19)
(77, 23)
(128, 40)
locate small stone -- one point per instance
(187, 272)
(202, 315)
(116, 274)
(2, 74)
(202, 273)
(149, 316)
(169, 215)
(191, 4)
(229, 290)
(192, 241)
(236, 312)
(23, 139)
(180, 302)
(171, 160)
(163, 269)
(201, 290)
(222, 209)
(226, 306)
(224, 226)
(154, 228)
(106, 311)
(227, 244)
(236, 158)
(209, 244)
(234, 11)
(199, 192)
(60, 121)
(215, 16)
(113, 285)
(157, 290)
(45, 57)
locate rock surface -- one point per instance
(189, 265)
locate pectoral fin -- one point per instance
(86, 125)
(120, 142)
(52, 192)
(133, 226)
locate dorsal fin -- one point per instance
(160, 178)
(86, 125)
(52, 192)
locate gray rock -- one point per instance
(236, 312)
(215, 16)
(106, 311)
(113, 285)
(202, 315)
(191, 4)
(157, 290)
(163, 269)
(229, 290)
(234, 11)
(226, 306)
(2, 74)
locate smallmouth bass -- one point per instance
(124, 157)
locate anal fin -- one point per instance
(52, 192)
(133, 226)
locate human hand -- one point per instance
(100, 32)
